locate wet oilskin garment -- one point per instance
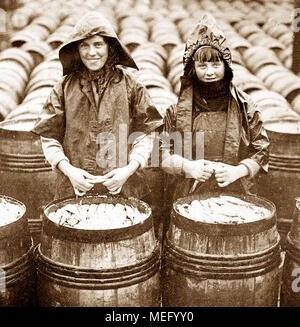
(89, 132)
(71, 117)
(212, 126)
(245, 137)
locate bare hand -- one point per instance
(80, 179)
(227, 174)
(196, 169)
(116, 178)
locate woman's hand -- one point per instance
(80, 179)
(116, 178)
(197, 169)
(227, 174)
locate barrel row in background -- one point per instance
(139, 23)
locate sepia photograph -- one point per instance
(149, 157)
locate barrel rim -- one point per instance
(6, 229)
(20, 133)
(95, 235)
(225, 229)
(281, 134)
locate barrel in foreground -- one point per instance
(221, 264)
(98, 267)
(17, 278)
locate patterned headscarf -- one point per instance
(206, 33)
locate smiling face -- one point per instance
(210, 71)
(93, 52)
(208, 64)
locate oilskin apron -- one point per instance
(213, 126)
(83, 146)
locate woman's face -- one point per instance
(93, 52)
(210, 71)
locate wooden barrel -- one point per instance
(17, 279)
(282, 183)
(206, 264)
(290, 288)
(112, 267)
(24, 172)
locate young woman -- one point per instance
(89, 115)
(228, 144)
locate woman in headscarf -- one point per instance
(89, 115)
(228, 144)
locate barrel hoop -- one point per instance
(19, 269)
(26, 273)
(284, 157)
(273, 166)
(21, 156)
(84, 272)
(221, 266)
(22, 169)
(222, 229)
(287, 164)
(228, 260)
(199, 273)
(20, 261)
(98, 285)
(93, 236)
(100, 279)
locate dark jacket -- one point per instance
(245, 137)
(70, 114)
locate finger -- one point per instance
(116, 191)
(84, 186)
(113, 188)
(208, 170)
(219, 174)
(109, 183)
(109, 175)
(79, 193)
(223, 184)
(220, 179)
(219, 170)
(88, 175)
(100, 179)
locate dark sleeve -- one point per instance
(145, 117)
(170, 119)
(259, 141)
(51, 121)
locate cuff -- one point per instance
(56, 159)
(173, 164)
(139, 158)
(252, 166)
